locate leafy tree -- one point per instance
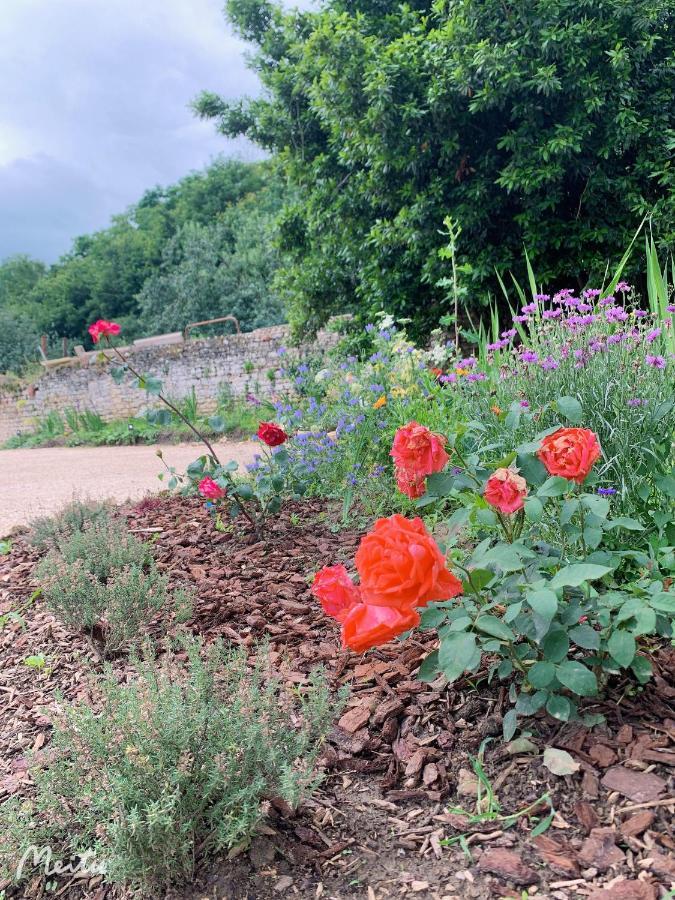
(145, 256)
(544, 123)
(19, 340)
(215, 270)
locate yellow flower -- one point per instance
(380, 402)
(462, 371)
(398, 392)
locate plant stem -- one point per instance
(204, 440)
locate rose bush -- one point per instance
(570, 453)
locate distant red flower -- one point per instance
(436, 372)
(336, 591)
(370, 626)
(271, 434)
(103, 328)
(211, 490)
(418, 450)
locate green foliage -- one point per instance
(546, 124)
(48, 531)
(197, 249)
(214, 269)
(173, 768)
(103, 581)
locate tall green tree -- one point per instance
(540, 123)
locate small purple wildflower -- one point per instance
(606, 492)
(521, 319)
(671, 308)
(552, 313)
(530, 308)
(549, 364)
(652, 335)
(623, 287)
(510, 333)
(476, 376)
(542, 298)
(592, 292)
(658, 362)
(637, 401)
(641, 314)
(524, 404)
(529, 356)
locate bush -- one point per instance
(47, 531)
(546, 123)
(175, 767)
(103, 582)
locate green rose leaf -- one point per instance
(622, 647)
(541, 674)
(576, 574)
(555, 486)
(457, 653)
(579, 679)
(495, 627)
(559, 707)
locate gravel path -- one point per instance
(39, 482)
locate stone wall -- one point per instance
(239, 363)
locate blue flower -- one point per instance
(606, 492)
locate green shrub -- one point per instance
(47, 531)
(544, 123)
(103, 582)
(175, 767)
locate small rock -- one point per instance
(430, 774)
(507, 864)
(637, 824)
(417, 886)
(640, 787)
(600, 850)
(625, 890)
(283, 884)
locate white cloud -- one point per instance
(94, 108)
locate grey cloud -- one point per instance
(95, 109)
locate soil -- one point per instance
(392, 817)
(66, 473)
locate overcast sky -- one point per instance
(94, 109)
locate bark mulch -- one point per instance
(387, 820)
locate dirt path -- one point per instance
(41, 481)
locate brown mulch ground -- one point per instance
(399, 758)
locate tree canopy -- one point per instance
(198, 249)
(538, 124)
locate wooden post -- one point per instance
(43, 345)
(65, 346)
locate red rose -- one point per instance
(418, 451)
(336, 591)
(401, 565)
(506, 491)
(570, 453)
(102, 328)
(211, 490)
(369, 626)
(271, 434)
(411, 485)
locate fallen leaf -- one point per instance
(560, 762)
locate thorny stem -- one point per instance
(204, 440)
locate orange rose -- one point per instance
(401, 565)
(418, 450)
(506, 491)
(570, 453)
(369, 626)
(336, 592)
